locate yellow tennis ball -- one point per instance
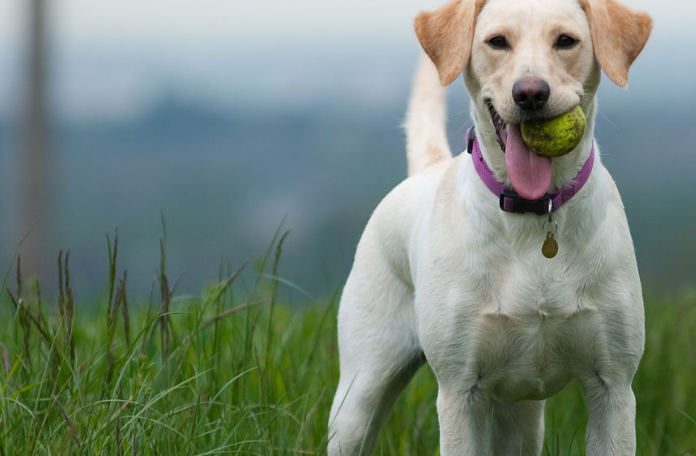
(555, 137)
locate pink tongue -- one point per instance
(530, 173)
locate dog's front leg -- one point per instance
(464, 421)
(611, 429)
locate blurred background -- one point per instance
(231, 118)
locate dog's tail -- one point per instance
(426, 134)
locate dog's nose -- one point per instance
(531, 94)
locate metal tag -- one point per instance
(550, 247)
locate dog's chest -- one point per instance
(526, 356)
(498, 315)
(524, 327)
(528, 342)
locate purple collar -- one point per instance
(510, 201)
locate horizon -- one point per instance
(116, 88)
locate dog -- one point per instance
(450, 270)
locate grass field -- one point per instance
(233, 371)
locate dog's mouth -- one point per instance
(529, 172)
(499, 124)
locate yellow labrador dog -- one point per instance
(450, 267)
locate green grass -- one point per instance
(235, 372)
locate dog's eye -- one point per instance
(565, 42)
(498, 42)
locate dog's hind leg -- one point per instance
(379, 353)
(518, 428)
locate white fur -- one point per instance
(426, 142)
(442, 274)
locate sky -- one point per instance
(183, 23)
(115, 59)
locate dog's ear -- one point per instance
(447, 35)
(619, 34)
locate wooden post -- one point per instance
(34, 179)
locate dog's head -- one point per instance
(527, 59)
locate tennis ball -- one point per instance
(555, 137)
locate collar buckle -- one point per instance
(511, 201)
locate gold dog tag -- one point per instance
(550, 247)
